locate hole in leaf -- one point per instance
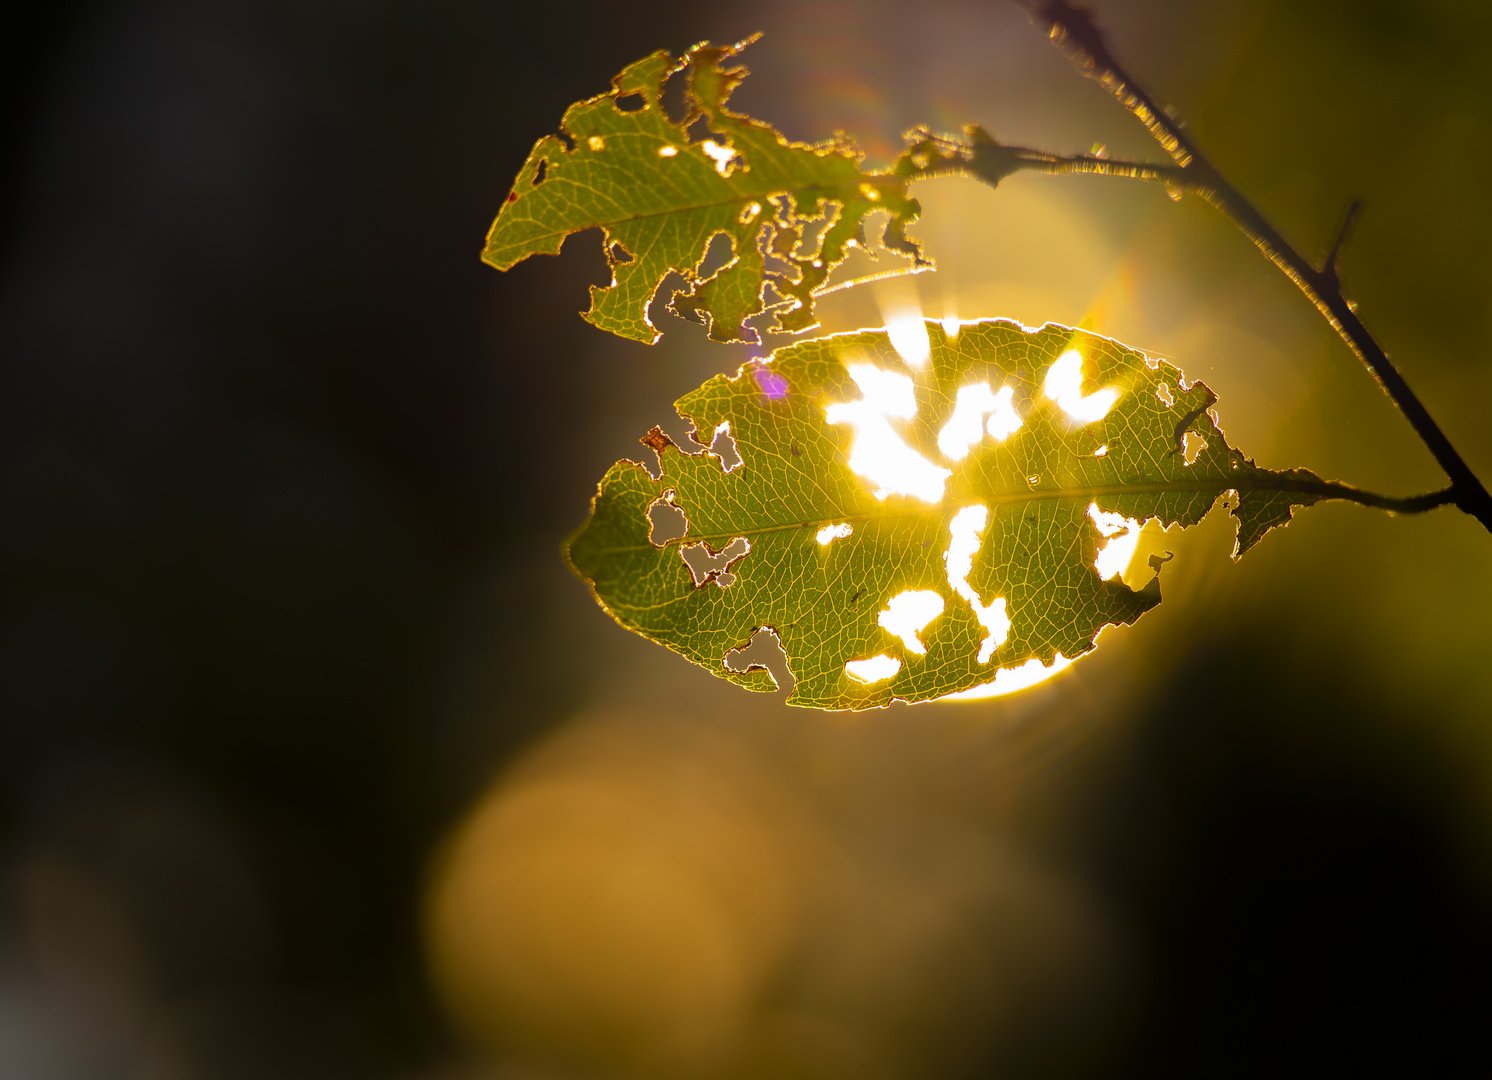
(630, 103)
(677, 289)
(1163, 392)
(878, 452)
(1064, 385)
(815, 225)
(966, 426)
(666, 521)
(874, 670)
(1118, 552)
(723, 446)
(724, 157)
(674, 100)
(1192, 444)
(718, 254)
(698, 130)
(908, 334)
(834, 532)
(620, 254)
(907, 613)
(763, 652)
(707, 565)
(963, 545)
(540, 171)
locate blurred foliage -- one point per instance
(285, 472)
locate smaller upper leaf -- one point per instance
(789, 211)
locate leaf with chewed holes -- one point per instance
(911, 532)
(790, 211)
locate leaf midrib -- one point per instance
(679, 210)
(1324, 488)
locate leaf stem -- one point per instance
(1072, 29)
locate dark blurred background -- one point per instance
(315, 762)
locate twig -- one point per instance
(1073, 30)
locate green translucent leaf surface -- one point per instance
(790, 211)
(1042, 487)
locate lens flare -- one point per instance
(721, 155)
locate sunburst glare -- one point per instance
(1009, 680)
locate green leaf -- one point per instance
(969, 495)
(790, 211)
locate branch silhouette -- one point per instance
(1072, 29)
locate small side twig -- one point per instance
(1329, 268)
(1072, 29)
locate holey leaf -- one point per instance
(911, 532)
(789, 211)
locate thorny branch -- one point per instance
(1072, 29)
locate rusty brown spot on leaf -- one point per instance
(656, 440)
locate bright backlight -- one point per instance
(1124, 536)
(966, 426)
(965, 529)
(834, 532)
(1064, 385)
(908, 612)
(876, 669)
(909, 337)
(878, 453)
(1009, 680)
